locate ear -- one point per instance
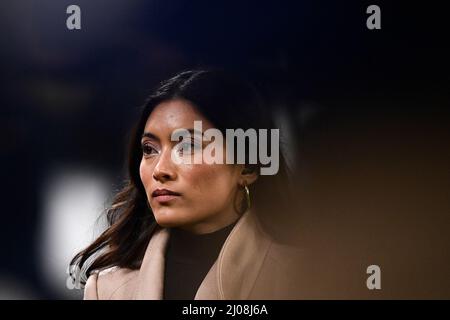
(249, 174)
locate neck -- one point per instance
(205, 227)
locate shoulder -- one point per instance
(281, 273)
(285, 254)
(112, 283)
(279, 255)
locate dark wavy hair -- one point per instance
(228, 102)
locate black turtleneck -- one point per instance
(188, 259)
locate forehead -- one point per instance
(174, 114)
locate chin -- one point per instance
(167, 217)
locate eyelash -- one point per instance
(147, 148)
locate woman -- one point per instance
(183, 230)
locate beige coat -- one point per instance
(250, 266)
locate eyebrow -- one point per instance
(150, 135)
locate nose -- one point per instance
(165, 169)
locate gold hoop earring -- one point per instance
(247, 197)
(244, 205)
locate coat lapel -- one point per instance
(151, 274)
(233, 274)
(235, 271)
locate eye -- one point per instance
(148, 149)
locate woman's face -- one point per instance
(205, 193)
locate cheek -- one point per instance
(145, 171)
(206, 180)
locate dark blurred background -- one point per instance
(366, 115)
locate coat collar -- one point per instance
(232, 275)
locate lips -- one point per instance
(164, 192)
(164, 196)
